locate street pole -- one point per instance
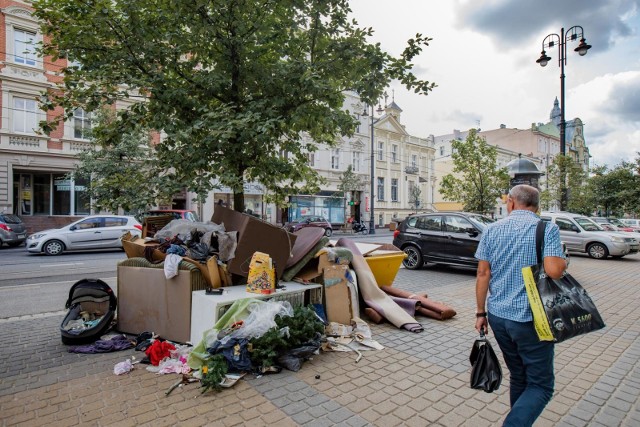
(561, 40)
(372, 226)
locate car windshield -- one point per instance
(616, 221)
(588, 225)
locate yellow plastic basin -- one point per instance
(385, 267)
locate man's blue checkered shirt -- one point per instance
(508, 245)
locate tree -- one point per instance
(120, 168)
(476, 181)
(614, 191)
(578, 197)
(414, 197)
(233, 85)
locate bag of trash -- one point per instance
(294, 358)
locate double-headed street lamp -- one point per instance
(372, 227)
(572, 34)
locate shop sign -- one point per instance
(249, 188)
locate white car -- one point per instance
(581, 234)
(91, 232)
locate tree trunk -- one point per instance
(238, 201)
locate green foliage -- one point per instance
(215, 371)
(414, 197)
(302, 328)
(231, 84)
(616, 191)
(476, 181)
(350, 181)
(121, 168)
(577, 194)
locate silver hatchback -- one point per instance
(12, 230)
(91, 232)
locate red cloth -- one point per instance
(158, 351)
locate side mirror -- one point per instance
(472, 232)
(308, 221)
(73, 228)
(574, 228)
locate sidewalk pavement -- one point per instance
(417, 380)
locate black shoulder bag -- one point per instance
(561, 308)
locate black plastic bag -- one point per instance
(486, 373)
(561, 308)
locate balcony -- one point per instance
(411, 170)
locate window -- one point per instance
(90, 223)
(394, 153)
(431, 223)
(81, 124)
(311, 158)
(414, 161)
(355, 161)
(394, 189)
(24, 47)
(456, 224)
(380, 188)
(565, 225)
(335, 159)
(380, 151)
(111, 221)
(25, 117)
(442, 150)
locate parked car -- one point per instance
(581, 234)
(632, 223)
(309, 221)
(12, 230)
(611, 224)
(91, 232)
(177, 213)
(442, 238)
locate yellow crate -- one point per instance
(385, 267)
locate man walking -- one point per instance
(505, 248)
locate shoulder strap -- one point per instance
(540, 239)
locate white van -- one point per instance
(581, 234)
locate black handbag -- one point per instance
(486, 373)
(562, 308)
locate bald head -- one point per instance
(525, 197)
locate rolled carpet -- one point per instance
(428, 307)
(373, 296)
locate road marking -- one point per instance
(34, 285)
(32, 316)
(70, 264)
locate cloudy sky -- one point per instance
(482, 57)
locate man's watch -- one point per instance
(483, 314)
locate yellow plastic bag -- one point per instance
(262, 274)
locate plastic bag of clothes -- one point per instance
(294, 358)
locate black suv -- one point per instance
(441, 238)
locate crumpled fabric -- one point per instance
(171, 263)
(123, 367)
(171, 366)
(158, 351)
(235, 352)
(117, 343)
(176, 249)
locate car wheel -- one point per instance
(598, 251)
(53, 247)
(328, 232)
(413, 261)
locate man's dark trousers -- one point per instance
(530, 364)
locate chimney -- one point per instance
(503, 126)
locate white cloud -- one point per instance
(482, 58)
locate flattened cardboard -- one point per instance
(254, 235)
(338, 296)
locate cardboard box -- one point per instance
(254, 235)
(148, 301)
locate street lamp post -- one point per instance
(572, 34)
(372, 226)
